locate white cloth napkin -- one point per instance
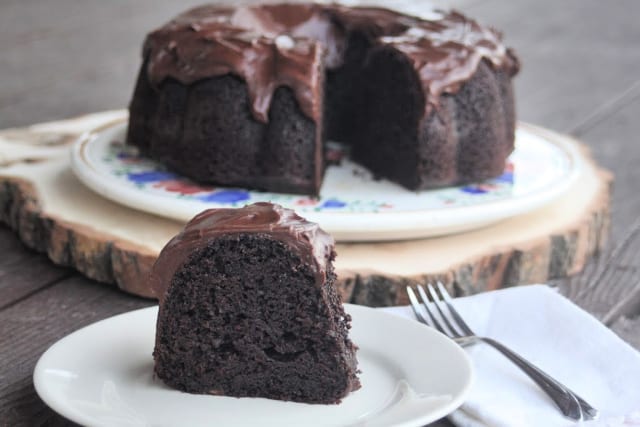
(561, 339)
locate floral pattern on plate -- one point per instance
(353, 205)
(124, 163)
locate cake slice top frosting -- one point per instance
(313, 245)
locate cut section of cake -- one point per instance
(248, 307)
(247, 96)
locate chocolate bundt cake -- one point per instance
(248, 307)
(246, 96)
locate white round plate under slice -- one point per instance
(353, 206)
(102, 375)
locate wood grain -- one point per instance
(53, 212)
(576, 58)
(23, 272)
(609, 285)
(29, 327)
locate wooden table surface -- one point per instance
(61, 58)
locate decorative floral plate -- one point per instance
(352, 205)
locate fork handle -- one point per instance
(571, 405)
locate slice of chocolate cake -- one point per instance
(248, 307)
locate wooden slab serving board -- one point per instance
(53, 212)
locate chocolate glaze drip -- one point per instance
(290, 45)
(447, 52)
(261, 45)
(305, 238)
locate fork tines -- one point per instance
(440, 313)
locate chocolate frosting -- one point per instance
(305, 238)
(275, 45)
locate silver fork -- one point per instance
(570, 404)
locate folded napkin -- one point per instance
(561, 339)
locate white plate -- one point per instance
(103, 375)
(352, 205)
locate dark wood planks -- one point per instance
(615, 142)
(577, 56)
(577, 77)
(22, 271)
(29, 327)
(90, 51)
(610, 287)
